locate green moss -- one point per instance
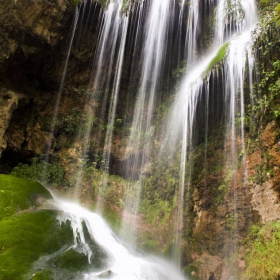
(159, 212)
(263, 247)
(23, 238)
(44, 275)
(218, 58)
(71, 260)
(26, 233)
(18, 194)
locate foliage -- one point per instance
(39, 170)
(271, 9)
(222, 189)
(265, 98)
(263, 247)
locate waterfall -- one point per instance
(235, 22)
(192, 30)
(144, 39)
(153, 57)
(108, 61)
(122, 264)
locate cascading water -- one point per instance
(192, 30)
(235, 22)
(109, 58)
(150, 25)
(153, 60)
(121, 264)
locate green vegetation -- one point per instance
(158, 196)
(18, 195)
(23, 238)
(39, 170)
(220, 192)
(218, 58)
(265, 98)
(32, 243)
(263, 247)
(266, 94)
(25, 234)
(270, 8)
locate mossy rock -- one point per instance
(219, 57)
(27, 236)
(112, 218)
(44, 275)
(19, 194)
(33, 245)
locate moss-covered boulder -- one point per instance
(17, 195)
(33, 245)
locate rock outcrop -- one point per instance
(8, 104)
(34, 41)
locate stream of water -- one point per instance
(151, 24)
(122, 263)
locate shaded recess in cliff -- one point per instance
(34, 43)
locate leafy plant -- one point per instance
(39, 170)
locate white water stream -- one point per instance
(108, 61)
(153, 57)
(234, 22)
(122, 264)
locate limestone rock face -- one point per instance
(33, 46)
(23, 22)
(266, 202)
(8, 104)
